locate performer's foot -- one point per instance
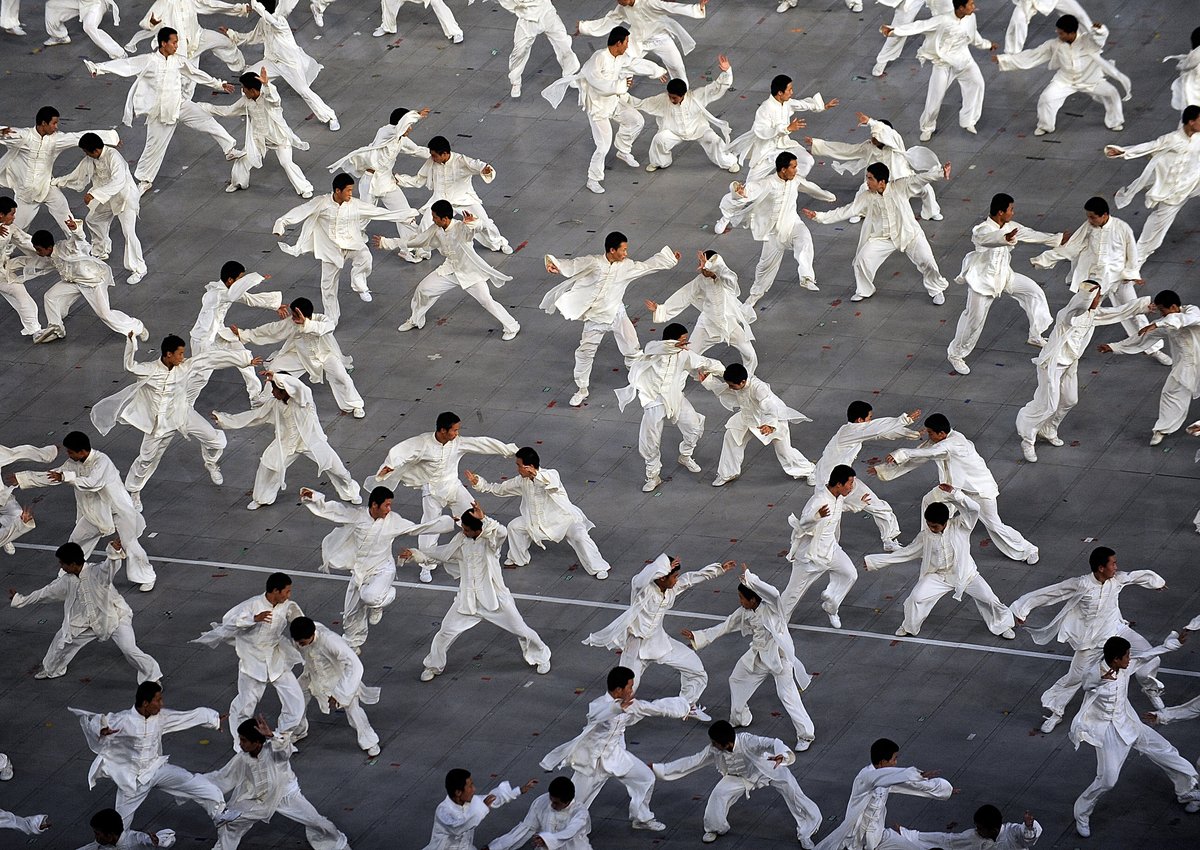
(628, 159)
(380, 32)
(42, 674)
(1050, 723)
(511, 333)
(49, 335)
(427, 674)
(1083, 828)
(1040, 132)
(651, 484)
(226, 816)
(806, 841)
(134, 279)
(147, 587)
(374, 615)
(542, 667)
(334, 124)
(10, 549)
(960, 366)
(409, 326)
(373, 752)
(1156, 437)
(939, 299)
(1117, 128)
(1008, 634)
(456, 39)
(710, 837)
(651, 825)
(856, 297)
(1037, 341)
(834, 619)
(50, 42)
(602, 575)
(809, 284)
(233, 187)
(1051, 437)
(900, 632)
(688, 463)
(854, 219)
(651, 168)
(17, 30)
(318, 19)
(1162, 357)
(753, 299)
(970, 128)
(505, 248)
(891, 545)
(1033, 557)
(515, 91)
(137, 500)
(253, 506)
(721, 481)
(721, 227)
(735, 168)
(1192, 807)
(234, 153)
(934, 217)
(214, 472)
(579, 397)
(7, 773)
(358, 413)
(426, 575)
(144, 186)
(697, 712)
(879, 71)
(1029, 451)
(366, 296)
(926, 135)
(307, 194)
(594, 186)
(802, 744)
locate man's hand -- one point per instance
(262, 617)
(256, 361)
(153, 836)
(1066, 237)
(528, 786)
(807, 213)
(946, 170)
(116, 543)
(887, 31)
(779, 759)
(1011, 236)
(831, 103)
(262, 75)
(236, 331)
(1151, 718)
(1147, 329)
(487, 170)
(54, 476)
(131, 334)
(537, 842)
(216, 418)
(1112, 151)
(405, 555)
(477, 510)
(88, 198)
(930, 774)
(552, 269)
(306, 493)
(384, 472)
(1104, 349)
(106, 731)
(823, 511)
(688, 633)
(223, 30)
(221, 718)
(1110, 675)
(766, 430)
(678, 256)
(376, 242)
(489, 799)
(739, 189)
(728, 565)
(72, 225)
(260, 723)
(914, 415)
(227, 88)
(796, 124)
(890, 459)
(723, 62)
(946, 488)
(471, 477)
(333, 704)
(650, 305)
(10, 479)
(863, 118)
(468, 218)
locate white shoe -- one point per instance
(17, 30)
(938, 299)
(253, 506)
(50, 42)
(380, 32)
(1192, 807)
(717, 482)
(1008, 634)
(307, 195)
(366, 296)
(1083, 828)
(651, 825)
(334, 124)
(49, 335)
(735, 168)
(1156, 437)
(1049, 724)
(594, 186)
(137, 500)
(802, 744)
(721, 227)
(10, 549)
(810, 480)
(926, 135)
(809, 284)
(878, 70)
(628, 159)
(856, 297)
(698, 712)
(891, 545)
(971, 129)
(753, 300)
(901, 633)
(1117, 128)
(1040, 132)
(651, 168)
(226, 816)
(234, 153)
(144, 186)
(374, 615)
(456, 39)
(651, 484)
(834, 619)
(233, 187)
(358, 413)
(319, 20)
(214, 472)
(427, 674)
(373, 752)
(710, 837)
(1162, 357)
(1037, 341)
(579, 397)
(511, 334)
(602, 575)
(409, 325)
(426, 575)
(542, 668)
(1034, 557)
(515, 91)
(959, 365)
(688, 463)
(135, 278)
(854, 219)
(935, 217)
(1052, 439)
(42, 674)
(506, 249)
(1029, 451)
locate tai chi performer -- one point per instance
(990, 831)
(445, 18)
(473, 557)
(363, 548)
(1180, 325)
(110, 192)
(28, 165)
(15, 520)
(641, 636)
(333, 229)
(1190, 709)
(534, 18)
(556, 819)
(160, 403)
(429, 462)
(988, 274)
(457, 816)
(162, 91)
(293, 416)
(745, 763)
(651, 30)
(128, 748)
(1078, 66)
(1110, 724)
(758, 413)
(603, 83)
(816, 547)
(865, 824)
(12, 283)
(594, 293)
(889, 225)
(34, 824)
(683, 116)
(1170, 179)
(1091, 614)
(546, 514)
(715, 292)
(266, 130)
(1185, 90)
(333, 678)
(92, 610)
(309, 346)
(600, 752)
(183, 17)
(464, 269)
(948, 39)
(656, 379)
(772, 652)
(110, 833)
(234, 286)
(906, 13)
(260, 784)
(960, 465)
(80, 275)
(102, 505)
(91, 15)
(944, 547)
(1025, 10)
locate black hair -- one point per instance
(840, 474)
(879, 171)
(883, 750)
(396, 115)
(77, 441)
(304, 305)
(1000, 203)
(1067, 23)
(341, 181)
(677, 87)
(91, 142)
(783, 160)
(937, 422)
(248, 729)
(302, 628)
(45, 115)
(562, 789)
(1096, 205)
(1115, 647)
(858, 410)
(379, 495)
(70, 553)
(674, 331)
(456, 780)
(1167, 298)
(164, 35)
(232, 270)
(529, 456)
(614, 240)
(446, 420)
(171, 343)
(735, 373)
(616, 35)
(250, 81)
(618, 677)
(278, 581)
(937, 513)
(721, 732)
(439, 144)
(1100, 557)
(442, 208)
(107, 821)
(145, 692)
(780, 83)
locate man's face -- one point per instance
(168, 47)
(174, 358)
(49, 128)
(252, 748)
(625, 692)
(747, 603)
(298, 316)
(381, 510)
(935, 527)
(1065, 37)
(1107, 571)
(555, 803)
(1120, 663)
(876, 186)
(991, 833)
(279, 393)
(278, 597)
(620, 47)
(467, 793)
(153, 707)
(445, 435)
(675, 99)
(43, 252)
(937, 436)
(740, 385)
(1097, 220)
(1006, 216)
(78, 455)
(308, 640)
(439, 158)
(471, 533)
(8, 217)
(525, 470)
(340, 196)
(786, 94)
(105, 839)
(788, 172)
(443, 223)
(95, 154)
(1193, 126)
(73, 569)
(843, 489)
(968, 9)
(618, 254)
(251, 94)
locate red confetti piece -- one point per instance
(552, 404)
(486, 678)
(894, 643)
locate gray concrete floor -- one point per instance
(956, 699)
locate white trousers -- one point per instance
(638, 781)
(790, 458)
(876, 508)
(1173, 404)
(1110, 758)
(629, 125)
(435, 285)
(178, 783)
(690, 425)
(240, 175)
(318, 829)
(445, 18)
(58, 12)
(376, 592)
(974, 315)
(355, 716)
(360, 270)
(99, 222)
(507, 617)
(158, 137)
(1154, 231)
(432, 507)
(1056, 93)
(729, 790)
(842, 576)
(14, 292)
(773, 249)
(970, 83)
(872, 252)
(212, 446)
(295, 78)
(10, 13)
(137, 562)
(1057, 392)
(62, 295)
(65, 647)
(250, 691)
(715, 148)
(487, 234)
(1058, 695)
(11, 526)
(396, 200)
(524, 35)
(1018, 24)
(577, 537)
(27, 210)
(1006, 538)
(930, 588)
(906, 13)
(692, 677)
(589, 341)
(664, 47)
(748, 674)
(345, 393)
(269, 482)
(702, 338)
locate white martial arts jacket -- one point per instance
(845, 445)
(659, 373)
(215, 304)
(565, 830)
(1076, 323)
(454, 824)
(181, 16)
(90, 602)
(767, 629)
(885, 216)
(1078, 64)
(948, 40)
(281, 54)
(264, 649)
(603, 82)
(456, 243)
(768, 208)
(14, 238)
(374, 164)
(756, 405)
(1185, 90)
(648, 605)
(112, 184)
(749, 763)
(1013, 836)
(647, 21)
(265, 127)
(988, 269)
(449, 180)
(131, 838)
(161, 84)
(332, 669)
(547, 511)
(690, 119)
(28, 165)
(476, 565)
(256, 785)
(1189, 709)
(852, 158)
(718, 300)
(422, 461)
(132, 754)
(1091, 612)
(363, 546)
(958, 463)
(866, 812)
(594, 289)
(307, 347)
(44, 454)
(1106, 254)
(73, 260)
(328, 229)
(768, 135)
(1182, 329)
(100, 494)
(946, 555)
(160, 399)
(601, 747)
(1106, 701)
(1173, 173)
(814, 537)
(31, 825)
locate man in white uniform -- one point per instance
(534, 18)
(906, 13)
(683, 116)
(557, 819)
(234, 286)
(390, 9)
(12, 284)
(651, 29)
(816, 547)
(90, 14)
(333, 677)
